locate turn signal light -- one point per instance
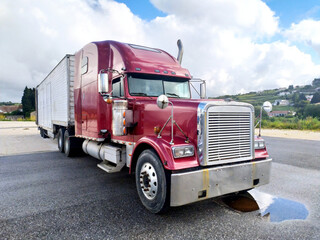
(156, 130)
(124, 131)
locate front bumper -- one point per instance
(212, 182)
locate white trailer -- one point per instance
(55, 99)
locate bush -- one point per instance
(312, 111)
(309, 123)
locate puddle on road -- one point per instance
(274, 208)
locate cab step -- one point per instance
(111, 168)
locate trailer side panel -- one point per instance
(55, 96)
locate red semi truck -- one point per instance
(130, 106)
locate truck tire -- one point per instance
(152, 182)
(43, 133)
(69, 144)
(61, 140)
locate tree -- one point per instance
(257, 113)
(302, 97)
(300, 107)
(295, 97)
(28, 101)
(290, 87)
(312, 111)
(307, 87)
(316, 82)
(316, 98)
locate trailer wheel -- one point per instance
(43, 133)
(152, 182)
(61, 139)
(69, 144)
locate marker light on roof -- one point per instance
(144, 48)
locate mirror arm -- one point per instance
(187, 139)
(159, 134)
(172, 123)
(195, 89)
(260, 121)
(114, 71)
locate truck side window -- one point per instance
(117, 87)
(84, 65)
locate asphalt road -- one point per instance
(49, 196)
(295, 152)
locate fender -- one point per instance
(163, 148)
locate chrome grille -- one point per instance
(229, 136)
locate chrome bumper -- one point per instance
(212, 182)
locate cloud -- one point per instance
(224, 41)
(223, 44)
(306, 31)
(242, 17)
(36, 35)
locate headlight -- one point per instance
(260, 144)
(183, 151)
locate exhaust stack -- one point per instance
(180, 53)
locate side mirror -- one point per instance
(203, 94)
(103, 84)
(162, 101)
(267, 106)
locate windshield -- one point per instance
(155, 85)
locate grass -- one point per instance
(31, 119)
(255, 98)
(309, 123)
(283, 108)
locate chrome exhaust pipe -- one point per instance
(180, 53)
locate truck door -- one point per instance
(118, 123)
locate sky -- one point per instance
(236, 46)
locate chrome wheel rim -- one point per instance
(148, 181)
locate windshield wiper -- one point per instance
(138, 94)
(173, 94)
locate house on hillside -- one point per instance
(283, 93)
(281, 102)
(10, 109)
(278, 113)
(310, 92)
(309, 97)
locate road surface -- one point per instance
(48, 196)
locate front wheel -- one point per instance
(152, 182)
